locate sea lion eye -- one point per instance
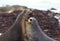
(30, 19)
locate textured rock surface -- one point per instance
(48, 23)
(6, 20)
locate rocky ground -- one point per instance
(49, 24)
(6, 20)
(46, 19)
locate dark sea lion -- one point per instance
(14, 33)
